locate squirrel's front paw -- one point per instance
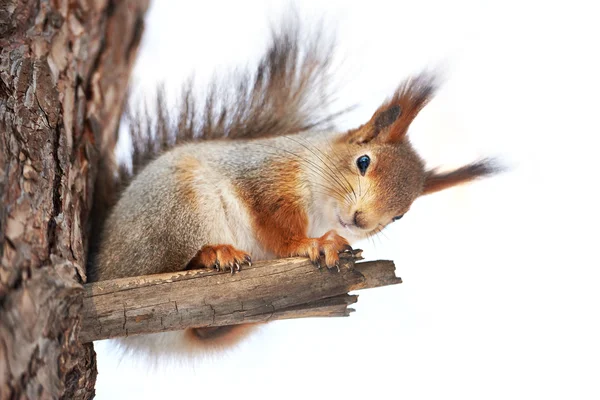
(222, 256)
(329, 245)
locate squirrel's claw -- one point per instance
(222, 257)
(236, 265)
(336, 265)
(324, 250)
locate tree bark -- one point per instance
(269, 290)
(64, 67)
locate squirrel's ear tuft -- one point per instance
(391, 121)
(434, 181)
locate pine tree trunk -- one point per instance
(64, 67)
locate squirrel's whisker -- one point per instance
(333, 162)
(319, 170)
(325, 163)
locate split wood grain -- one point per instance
(267, 291)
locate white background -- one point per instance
(501, 294)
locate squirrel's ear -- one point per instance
(391, 121)
(434, 182)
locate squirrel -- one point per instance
(260, 174)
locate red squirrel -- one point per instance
(259, 176)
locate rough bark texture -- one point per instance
(269, 290)
(64, 67)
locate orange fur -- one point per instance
(219, 337)
(279, 218)
(275, 206)
(390, 122)
(410, 97)
(330, 245)
(220, 256)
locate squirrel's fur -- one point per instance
(287, 185)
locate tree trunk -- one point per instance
(64, 67)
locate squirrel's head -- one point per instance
(378, 174)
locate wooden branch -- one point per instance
(267, 291)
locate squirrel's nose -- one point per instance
(359, 219)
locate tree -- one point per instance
(64, 68)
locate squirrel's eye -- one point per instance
(397, 217)
(363, 163)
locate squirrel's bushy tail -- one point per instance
(287, 92)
